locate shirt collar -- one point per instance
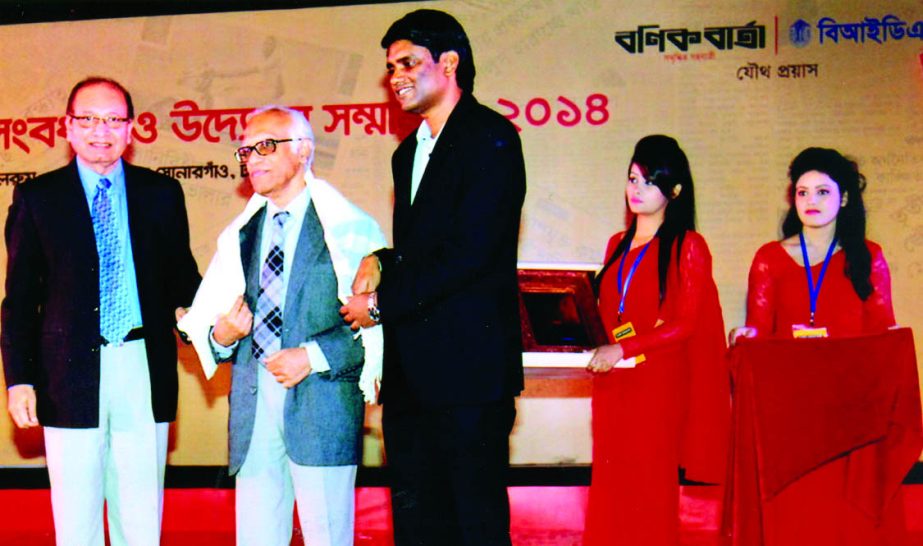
(424, 133)
(90, 178)
(296, 205)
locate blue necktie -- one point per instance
(267, 325)
(114, 314)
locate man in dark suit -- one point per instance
(98, 263)
(446, 295)
(296, 409)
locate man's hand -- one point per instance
(289, 366)
(356, 312)
(605, 357)
(368, 276)
(21, 404)
(233, 325)
(179, 313)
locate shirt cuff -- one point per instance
(222, 352)
(316, 357)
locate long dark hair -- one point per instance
(850, 221)
(663, 163)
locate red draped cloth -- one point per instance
(824, 431)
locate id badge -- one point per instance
(622, 332)
(805, 331)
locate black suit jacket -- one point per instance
(49, 325)
(449, 292)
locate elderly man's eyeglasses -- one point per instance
(263, 147)
(90, 121)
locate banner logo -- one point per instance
(749, 36)
(800, 33)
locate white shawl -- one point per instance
(350, 234)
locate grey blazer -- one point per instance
(324, 413)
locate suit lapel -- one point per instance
(403, 172)
(450, 134)
(429, 181)
(83, 222)
(137, 208)
(249, 254)
(309, 247)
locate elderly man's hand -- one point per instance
(289, 366)
(233, 325)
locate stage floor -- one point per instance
(541, 516)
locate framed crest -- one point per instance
(558, 310)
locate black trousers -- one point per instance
(448, 470)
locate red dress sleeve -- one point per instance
(685, 293)
(877, 311)
(761, 295)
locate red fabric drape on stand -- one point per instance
(802, 403)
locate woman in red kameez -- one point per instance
(660, 391)
(845, 291)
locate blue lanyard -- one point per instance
(814, 291)
(631, 273)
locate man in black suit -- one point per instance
(98, 263)
(446, 295)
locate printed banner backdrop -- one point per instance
(743, 86)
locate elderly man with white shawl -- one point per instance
(269, 303)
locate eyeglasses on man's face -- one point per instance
(263, 147)
(91, 121)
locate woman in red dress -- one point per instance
(823, 279)
(660, 391)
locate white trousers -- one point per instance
(269, 483)
(122, 461)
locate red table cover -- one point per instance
(801, 403)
